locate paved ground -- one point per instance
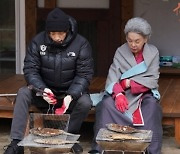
(169, 145)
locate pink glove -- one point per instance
(121, 102)
(48, 96)
(66, 102)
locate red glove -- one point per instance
(121, 102)
(66, 102)
(61, 110)
(49, 96)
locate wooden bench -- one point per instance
(169, 89)
(11, 84)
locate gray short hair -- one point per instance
(138, 25)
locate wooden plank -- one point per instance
(168, 99)
(12, 83)
(169, 71)
(164, 83)
(49, 3)
(78, 14)
(5, 76)
(97, 84)
(168, 121)
(177, 128)
(91, 116)
(114, 33)
(27, 127)
(127, 12)
(176, 106)
(103, 47)
(169, 89)
(6, 104)
(30, 16)
(6, 114)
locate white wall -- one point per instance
(20, 35)
(83, 3)
(165, 24)
(79, 3)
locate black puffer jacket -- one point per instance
(66, 67)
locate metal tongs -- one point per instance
(50, 110)
(40, 92)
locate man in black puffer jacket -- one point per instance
(58, 63)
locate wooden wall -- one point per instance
(110, 25)
(30, 10)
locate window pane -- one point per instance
(7, 36)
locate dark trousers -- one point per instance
(25, 97)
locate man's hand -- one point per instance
(66, 102)
(48, 96)
(121, 102)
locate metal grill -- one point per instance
(126, 145)
(59, 122)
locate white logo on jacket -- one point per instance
(71, 54)
(43, 49)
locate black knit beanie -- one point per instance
(57, 21)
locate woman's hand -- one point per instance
(121, 102)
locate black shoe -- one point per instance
(77, 149)
(13, 148)
(94, 152)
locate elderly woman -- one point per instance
(131, 87)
